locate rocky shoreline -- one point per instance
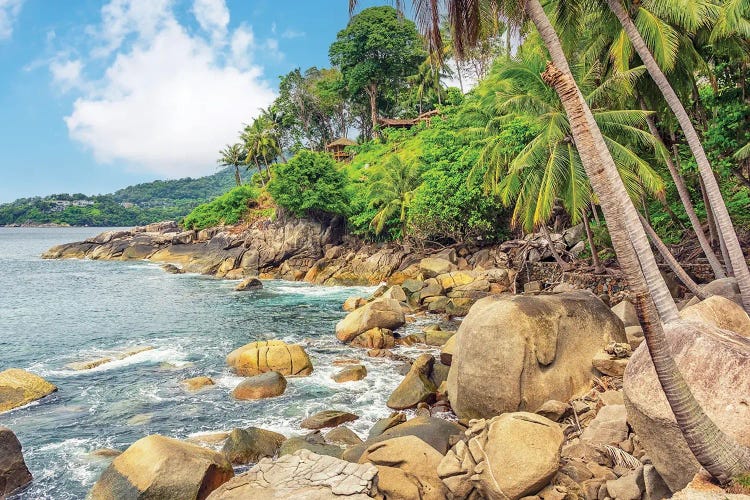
(536, 395)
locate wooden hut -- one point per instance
(408, 122)
(338, 149)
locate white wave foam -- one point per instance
(171, 355)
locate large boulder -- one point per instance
(161, 467)
(265, 385)
(244, 446)
(416, 386)
(301, 475)
(516, 352)
(725, 287)
(270, 355)
(328, 418)
(249, 284)
(19, 387)
(510, 456)
(415, 458)
(13, 471)
(715, 364)
(721, 312)
(434, 266)
(436, 432)
(380, 313)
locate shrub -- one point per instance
(309, 184)
(226, 209)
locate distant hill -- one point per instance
(131, 206)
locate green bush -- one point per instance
(309, 184)
(226, 209)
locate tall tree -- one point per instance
(378, 49)
(233, 156)
(724, 223)
(722, 457)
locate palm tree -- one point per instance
(724, 223)
(261, 144)
(392, 193)
(549, 167)
(713, 449)
(233, 156)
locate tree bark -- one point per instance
(372, 92)
(682, 191)
(675, 266)
(724, 223)
(237, 177)
(712, 231)
(560, 262)
(723, 458)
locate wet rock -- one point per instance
(343, 435)
(350, 374)
(328, 418)
(380, 313)
(93, 363)
(270, 355)
(252, 283)
(244, 446)
(197, 383)
(510, 456)
(161, 467)
(302, 475)
(353, 303)
(437, 337)
(19, 387)
(171, 269)
(384, 424)
(374, 338)
(13, 471)
(516, 352)
(714, 364)
(416, 386)
(265, 385)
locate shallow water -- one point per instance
(53, 312)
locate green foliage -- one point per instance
(134, 205)
(309, 184)
(228, 208)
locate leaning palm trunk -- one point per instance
(682, 191)
(713, 449)
(675, 266)
(560, 262)
(631, 226)
(237, 177)
(724, 223)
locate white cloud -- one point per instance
(213, 17)
(66, 74)
(169, 100)
(9, 10)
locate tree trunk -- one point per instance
(237, 177)
(260, 171)
(372, 92)
(675, 266)
(598, 267)
(724, 223)
(630, 224)
(682, 191)
(723, 458)
(712, 232)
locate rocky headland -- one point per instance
(547, 394)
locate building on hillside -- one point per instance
(408, 122)
(338, 149)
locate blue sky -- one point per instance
(97, 95)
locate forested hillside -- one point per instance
(133, 205)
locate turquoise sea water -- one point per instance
(53, 312)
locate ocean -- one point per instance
(53, 312)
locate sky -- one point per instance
(98, 95)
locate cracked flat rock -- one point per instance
(270, 355)
(301, 475)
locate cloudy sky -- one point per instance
(98, 95)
